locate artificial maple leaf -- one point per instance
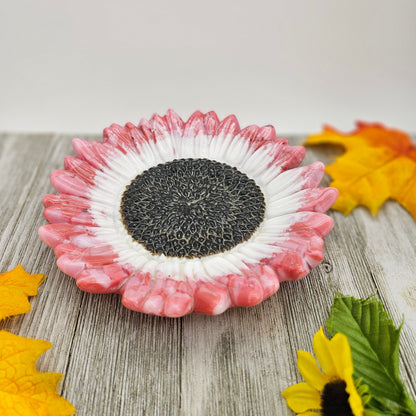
(15, 286)
(24, 391)
(379, 163)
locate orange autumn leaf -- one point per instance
(15, 286)
(24, 391)
(379, 164)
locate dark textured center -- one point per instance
(192, 208)
(335, 399)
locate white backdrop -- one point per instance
(77, 66)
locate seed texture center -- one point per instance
(192, 208)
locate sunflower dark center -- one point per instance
(334, 400)
(192, 208)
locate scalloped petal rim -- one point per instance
(90, 241)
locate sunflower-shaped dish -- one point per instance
(187, 216)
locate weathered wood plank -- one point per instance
(117, 361)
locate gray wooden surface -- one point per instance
(119, 362)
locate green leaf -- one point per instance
(389, 408)
(374, 342)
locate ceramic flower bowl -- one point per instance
(187, 216)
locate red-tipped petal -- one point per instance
(69, 183)
(119, 137)
(178, 304)
(80, 168)
(160, 127)
(71, 264)
(146, 131)
(137, 135)
(250, 133)
(228, 126)
(175, 124)
(318, 199)
(66, 248)
(107, 279)
(320, 223)
(68, 214)
(267, 133)
(65, 200)
(89, 258)
(194, 125)
(291, 157)
(266, 276)
(95, 153)
(245, 291)
(211, 298)
(288, 265)
(136, 290)
(211, 123)
(99, 255)
(312, 174)
(54, 234)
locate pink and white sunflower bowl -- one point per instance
(187, 216)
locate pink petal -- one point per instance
(160, 127)
(263, 137)
(137, 135)
(153, 305)
(288, 265)
(106, 279)
(175, 123)
(275, 148)
(194, 125)
(99, 255)
(266, 276)
(70, 264)
(95, 153)
(136, 290)
(312, 174)
(157, 296)
(228, 126)
(320, 223)
(54, 234)
(267, 133)
(318, 199)
(68, 214)
(66, 248)
(250, 133)
(118, 137)
(245, 291)
(80, 168)
(64, 199)
(145, 131)
(178, 304)
(211, 123)
(81, 259)
(69, 183)
(286, 157)
(211, 298)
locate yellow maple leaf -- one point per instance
(15, 286)
(379, 163)
(24, 391)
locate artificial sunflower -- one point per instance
(331, 391)
(187, 216)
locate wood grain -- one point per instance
(119, 362)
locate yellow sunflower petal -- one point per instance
(310, 371)
(323, 351)
(309, 414)
(341, 356)
(301, 397)
(354, 398)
